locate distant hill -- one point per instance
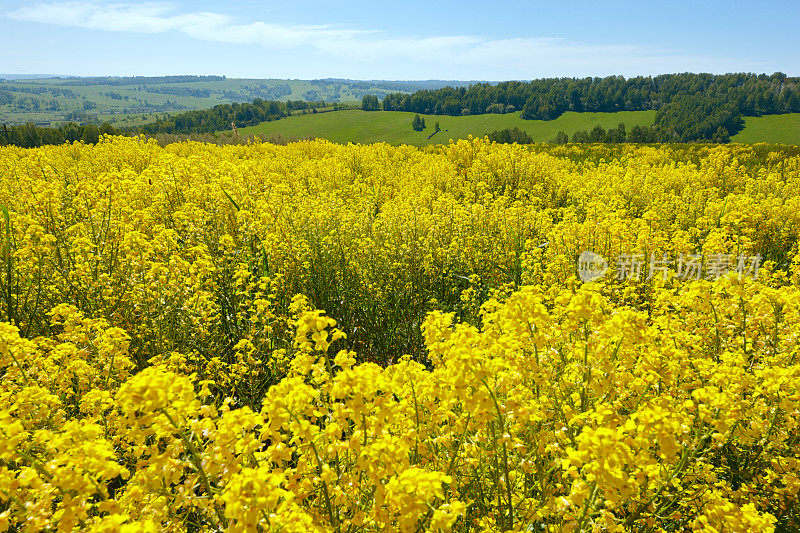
(117, 81)
(408, 86)
(130, 101)
(33, 76)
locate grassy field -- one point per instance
(782, 129)
(394, 127)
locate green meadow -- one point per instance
(394, 127)
(781, 129)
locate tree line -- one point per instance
(32, 136)
(620, 134)
(136, 80)
(598, 134)
(218, 118)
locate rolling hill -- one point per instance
(136, 100)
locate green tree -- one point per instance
(418, 124)
(436, 127)
(580, 136)
(598, 134)
(369, 102)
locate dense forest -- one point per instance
(221, 116)
(691, 107)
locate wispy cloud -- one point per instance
(156, 17)
(141, 18)
(518, 57)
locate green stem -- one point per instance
(505, 455)
(325, 493)
(586, 505)
(22, 370)
(416, 411)
(198, 465)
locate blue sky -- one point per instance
(408, 39)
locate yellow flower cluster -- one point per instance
(318, 337)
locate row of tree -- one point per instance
(220, 117)
(511, 136)
(637, 134)
(31, 136)
(598, 134)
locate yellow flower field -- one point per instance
(317, 337)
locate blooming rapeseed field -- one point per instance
(167, 364)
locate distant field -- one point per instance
(782, 129)
(129, 101)
(394, 127)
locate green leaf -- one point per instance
(231, 199)
(7, 218)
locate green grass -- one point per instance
(781, 129)
(394, 127)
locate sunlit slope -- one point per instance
(783, 129)
(395, 126)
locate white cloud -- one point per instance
(141, 18)
(511, 58)
(155, 17)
